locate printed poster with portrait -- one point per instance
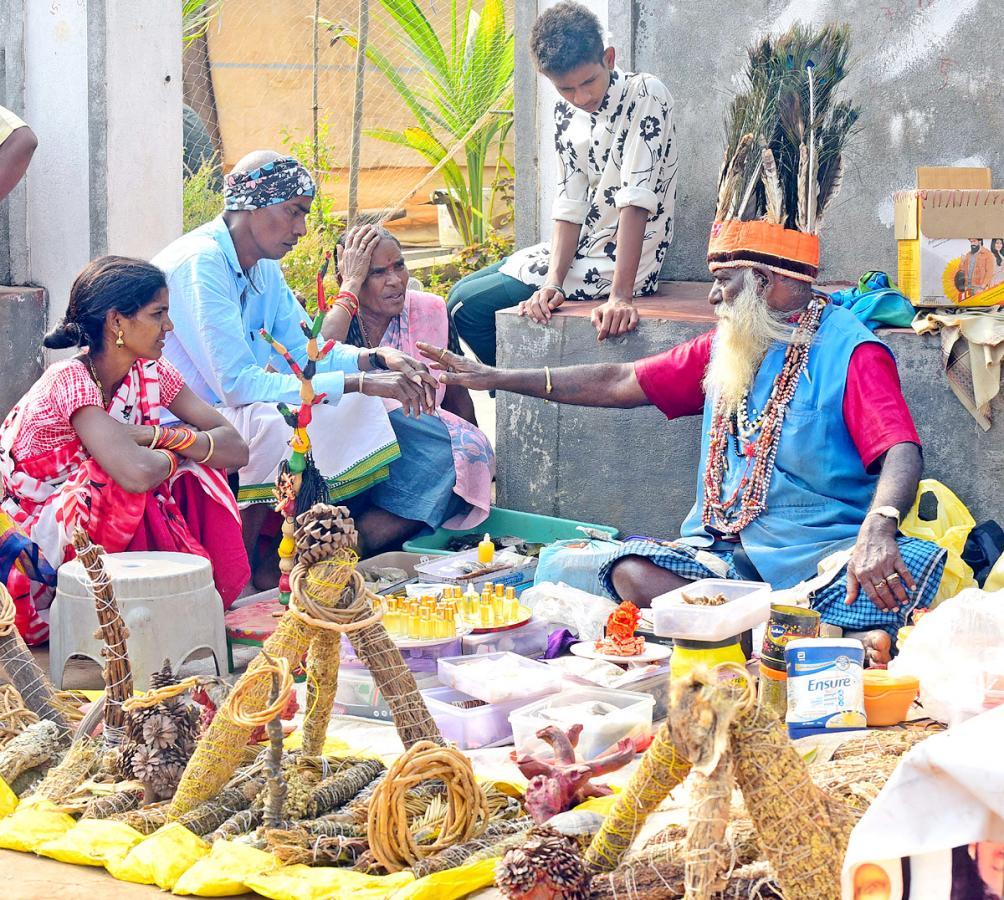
(936, 830)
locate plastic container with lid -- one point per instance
(499, 677)
(359, 696)
(468, 722)
(748, 604)
(605, 715)
(418, 656)
(528, 640)
(888, 697)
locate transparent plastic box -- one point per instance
(470, 728)
(528, 640)
(358, 694)
(606, 716)
(419, 656)
(748, 605)
(499, 677)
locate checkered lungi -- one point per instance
(924, 559)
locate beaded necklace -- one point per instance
(761, 437)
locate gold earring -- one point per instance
(118, 341)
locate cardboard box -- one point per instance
(950, 237)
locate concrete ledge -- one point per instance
(23, 316)
(638, 471)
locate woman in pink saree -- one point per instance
(85, 446)
(375, 308)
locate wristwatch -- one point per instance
(888, 512)
(376, 361)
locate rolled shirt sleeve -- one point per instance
(649, 158)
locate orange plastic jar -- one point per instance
(888, 697)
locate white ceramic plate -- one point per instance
(652, 652)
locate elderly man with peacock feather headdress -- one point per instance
(808, 449)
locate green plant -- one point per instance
(200, 200)
(466, 97)
(440, 279)
(301, 264)
(196, 16)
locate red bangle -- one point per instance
(352, 298)
(342, 304)
(175, 438)
(171, 459)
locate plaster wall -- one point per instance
(926, 73)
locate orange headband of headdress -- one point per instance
(736, 243)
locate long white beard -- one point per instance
(746, 329)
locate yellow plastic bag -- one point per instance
(8, 799)
(305, 883)
(222, 873)
(29, 827)
(451, 883)
(949, 530)
(995, 580)
(92, 842)
(162, 858)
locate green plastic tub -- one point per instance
(530, 527)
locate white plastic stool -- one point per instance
(168, 601)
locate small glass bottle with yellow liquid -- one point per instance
(511, 610)
(486, 550)
(485, 610)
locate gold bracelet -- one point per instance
(172, 460)
(547, 375)
(212, 448)
(362, 375)
(156, 437)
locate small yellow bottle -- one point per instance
(486, 550)
(511, 605)
(425, 624)
(498, 608)
(486, 611)
(414, 631)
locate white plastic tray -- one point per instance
(748, 605)
(499, 677)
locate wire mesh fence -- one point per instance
(392, 103)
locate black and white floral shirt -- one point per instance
(624, 154)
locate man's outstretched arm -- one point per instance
(611, 385)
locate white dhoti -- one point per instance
(352, 443)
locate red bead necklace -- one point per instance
(760, 450)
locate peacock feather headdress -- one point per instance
(785, 133)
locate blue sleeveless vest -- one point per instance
(819, 492)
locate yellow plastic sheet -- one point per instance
(92, 842)
(305, 883)
(31, 826)
(949, 530)
(601, 805)
(162, 858)
(452, 883)
(995, 580)
(8, 799)
(223, 872)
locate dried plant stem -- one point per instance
(662, 768)
(707, 853)
(276, 784)
(62, 780)
(118, 670)
(323, 659)
(21, 670)
(34, 746)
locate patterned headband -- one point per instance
(275, 182)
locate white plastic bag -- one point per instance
(953, 650)
(567, 607)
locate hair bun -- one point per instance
(66, 334)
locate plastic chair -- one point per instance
(169, 604)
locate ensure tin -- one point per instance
(825, 685)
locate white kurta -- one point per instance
(624, 154)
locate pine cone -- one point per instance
(164, 677)
(547, 857)
(145, 762)
(323, 530)
(160, 731)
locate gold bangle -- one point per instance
(212, 448)
(547, 375)
(172, 460)
(156, 437)
(362, 375)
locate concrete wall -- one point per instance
(927, 73)
(638, 471)
(100, 82)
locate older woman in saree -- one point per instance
(376, 308)
(85, 447)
